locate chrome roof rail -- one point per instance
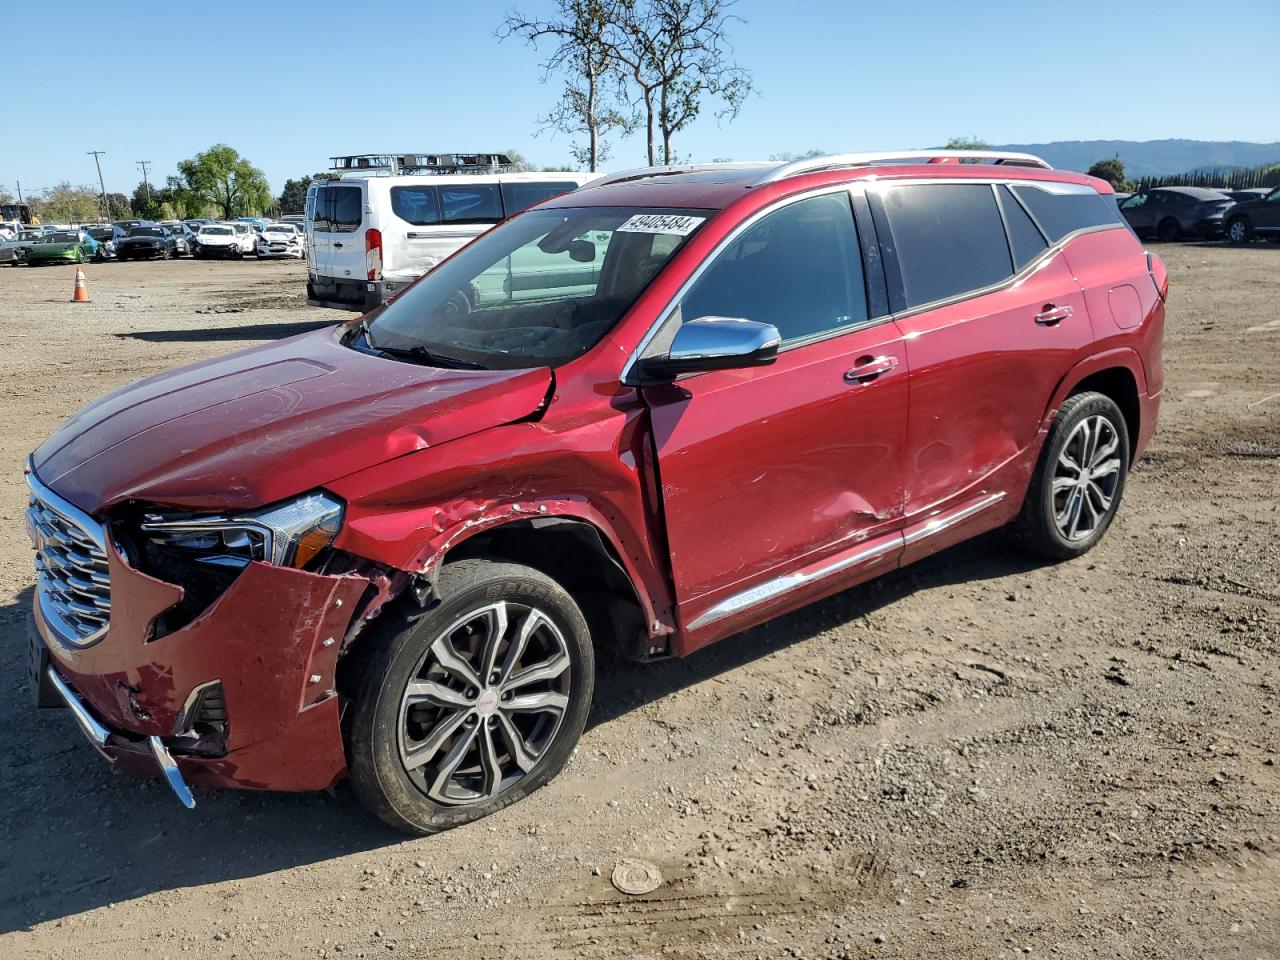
(838, 160)
(643, 173)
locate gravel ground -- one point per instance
(975, 757)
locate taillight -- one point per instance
(1159, 275)
(373, 253)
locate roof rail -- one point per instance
(643, 173)
(394, 163)
(837, 160)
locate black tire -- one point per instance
(401, 649)
(1037, 525)
(1168, 230)
(1239, 230)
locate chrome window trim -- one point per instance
(782, 585)
(668, 312)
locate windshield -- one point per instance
(539, 290)
(216, 231)
(278, 228)
(146, 232)
(101, 233)
(61, 238)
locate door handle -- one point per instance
(868, 368)
(337, 245)
(1052, 315)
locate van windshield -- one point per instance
(539, 290)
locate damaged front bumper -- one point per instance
(269, 646)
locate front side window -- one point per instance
(798, 268)
(476, 203)
(539, 290)
(949, 239)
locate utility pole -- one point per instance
(19, 183)
(145, 182)
(106, 205)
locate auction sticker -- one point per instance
(672, 224)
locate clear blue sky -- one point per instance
(289, 84)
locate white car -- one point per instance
(217, 240)
(280, 240)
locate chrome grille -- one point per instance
(73, 581)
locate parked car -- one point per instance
(67, 246)
(1247, 194)
(107, 236)
(280, 240)
(1255, 218)
(9, 251)
(1170, 213)
(181, 234)
(217, 240)
(369, 237)
(127, 225)
(390, 550)
(246, 234)
(26, 240)
(143, 243)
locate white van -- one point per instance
(370, 237)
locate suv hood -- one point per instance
(270, 422)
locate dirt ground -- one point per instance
(976, 757)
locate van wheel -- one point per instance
(1079, 479)
(465, 707)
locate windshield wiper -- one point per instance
(428, 357)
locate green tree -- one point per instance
(966, 143)
(119, 206)
(67, 204)
(519, 163)
(1112, 170)
(789, 157)
(222, 178)
(293, 198)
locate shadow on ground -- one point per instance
(76, 835)
(248, 331)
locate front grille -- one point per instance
(73, 581)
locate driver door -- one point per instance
(772, 477)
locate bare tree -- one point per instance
(590, 103)
(675, 54)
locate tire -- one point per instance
(1047, 525)
(1239, 231)
(1168, 230)
(457, 777)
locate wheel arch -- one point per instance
(1117, 374)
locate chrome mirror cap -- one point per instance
(714, 343)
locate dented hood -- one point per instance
(266, 423)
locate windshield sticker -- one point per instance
(677, 226)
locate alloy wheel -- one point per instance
(485, 703)
(1236, 232)
(1086, 477)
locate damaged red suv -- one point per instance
(642, 416)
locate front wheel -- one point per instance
(1239, 230)
(467, 707)
(1079, 479)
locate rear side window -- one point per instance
(417, 205)
(338, 209)
(521, 196)
(475, 203)
(949, 239)
(1025, 238)
(798, 268)
(1059, 214)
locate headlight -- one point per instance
(289, 534)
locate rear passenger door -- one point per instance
(339, 231)
(992, 320)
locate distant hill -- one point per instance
(1144, 158)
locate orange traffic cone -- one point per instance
(81, 294)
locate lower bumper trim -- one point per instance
(171, 773)
(92, 729)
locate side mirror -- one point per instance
(582, 251)
(714, 343)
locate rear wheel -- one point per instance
(466, 707)
(1239, 230)
(1079, 479)
(1168, 230)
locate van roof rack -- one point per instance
(390, 164)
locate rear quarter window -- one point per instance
(521, 196)
(474, 203)
(1059, 214)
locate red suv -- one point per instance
(642, 416)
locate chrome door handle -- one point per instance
(868, 368)
(1052, 315)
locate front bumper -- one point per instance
(271, 641)
(208, 251)
(278, 250)
(130, 253)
